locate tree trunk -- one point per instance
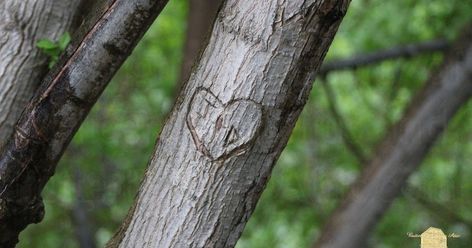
(230, 123)
(59, 106)
(22, 65)
(201, 15)
(403, 149)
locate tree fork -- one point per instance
(58, 108)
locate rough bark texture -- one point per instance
(403, 149)
(59, 106)
(230, 123)
(201, 15)
(22, 65)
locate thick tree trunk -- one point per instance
(54, 114)
(230, 123)
(201, 15)
(403, 149)
(22, 65)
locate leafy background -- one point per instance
(102, 168)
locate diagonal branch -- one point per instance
(403, 149)
(437, 208)
(346, 134)
(58, 108)
(406, 51)
(22, 64)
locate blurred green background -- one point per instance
(97, 178)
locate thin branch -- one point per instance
(59, 107)
(406, 51)
(84, 229)
(391, 96)
(346, 134)
(436, 208)
(403, 149)
(200, 18)
(356, 150)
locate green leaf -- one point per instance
(52, 62)
(52, 52)
(53, 49)
(46, 44)
(64, 41)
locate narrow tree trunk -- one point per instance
(403, 150)
(54, 114)
(22, 65)
(200, 17)
(230, 123)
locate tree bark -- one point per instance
(403, 150)
(59, 106)
(230, 123)
(201, 15)
(22, 65)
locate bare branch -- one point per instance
(84, 229)
(403, 149)
(437, 208)
(346, 134)
(410, 50)
(357, 151)
(201, 15)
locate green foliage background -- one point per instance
(107, 158)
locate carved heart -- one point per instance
(222, 130)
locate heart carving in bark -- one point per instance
(220, 130)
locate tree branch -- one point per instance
(403, 149)
(22, 63)
(406, 51)
(346, 134)
(357, 151)
(436, 208)
(200, 18)
(60, 105)
(84, 229)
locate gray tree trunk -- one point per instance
(230, 123)
(22, 65)
(403, 150)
